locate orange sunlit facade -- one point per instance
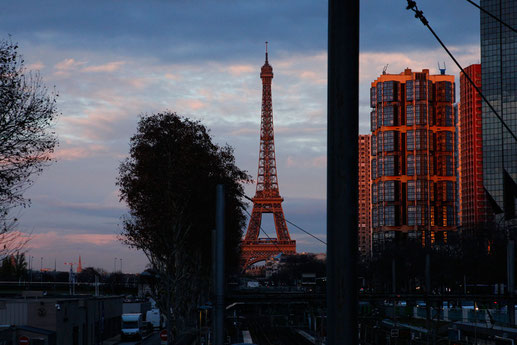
(365, 229)
(412, 165)
(473, 203)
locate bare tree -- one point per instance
(27, 114)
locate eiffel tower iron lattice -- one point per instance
(267, 197)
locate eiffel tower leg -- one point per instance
(281, 227)
(253, 232)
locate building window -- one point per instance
(373, 97)
(374, 145)
(375, 221)
(420, 90)
(409, 90)
(449, 191)
(449, 142)
(411, 215)
(421, 190)
(410, 140)
(448, 116)
(389, 166)
(380, 192)
(379, 92)
(421, 139)
(450, 215)
(373, 117)
(374, 193)
(389, 141)
(389, 91)
(411, 190)
(379, 166)
(410, 168)
(410, 115)
(421, 165)
(389, 216)
(449, 167)
(421, 114)
(421, 215)
(389, 115)
(374, 169)
(389, 191)
(380, 211)
(444, 91)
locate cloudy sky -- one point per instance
(112, 60)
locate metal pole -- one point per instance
(510, 269)
(428, 292)
(219, 252)
(342, 179)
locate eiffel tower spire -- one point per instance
(267, 196)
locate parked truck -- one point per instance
(132, 326)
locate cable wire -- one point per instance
(308, 233)
(491, 15)
(420, 15)
(265, 233)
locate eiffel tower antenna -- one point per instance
(267, 197)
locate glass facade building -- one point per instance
(499, 80)
(473, 203)
(413, 189)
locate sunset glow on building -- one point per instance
(365, 226)
(473, 203)
(412, 167)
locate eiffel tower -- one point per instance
(267, 197)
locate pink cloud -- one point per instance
(73, 153)
(68, 64)
(191, 104)
(36, 66)
(52, 238)
(237, 70)
(245, 131)
(108, 67)
(171, 76)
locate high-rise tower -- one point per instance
(365, 225)
(498, 68)
(267, 197)
(412, 167)
(473, 203)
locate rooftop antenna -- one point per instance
(385, 68)
(266, 51)
(442, 70)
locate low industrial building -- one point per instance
(74, 320)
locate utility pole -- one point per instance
(219, 273)
(342, 171)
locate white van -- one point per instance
(132, 326)
(153, 316)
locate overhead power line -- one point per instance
(308, 233)
(305, 231)
(420, 15)
(265, 233)
(491, 15)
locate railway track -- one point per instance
(263, 334)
